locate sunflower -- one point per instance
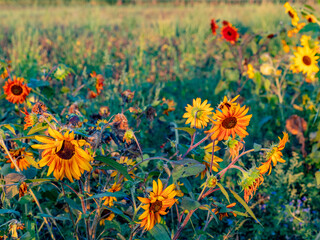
(250, 182)
(198, 114)
(30, 119)
(156, 204)
(305, 40)
(20, 155)
(292, 13)
(168, 106)
(108, 201)
(106, 215)
(208, 156)
(224, 214)
(234, 147)
(15, 90)
(285, 46)
(306, 60)
(311, 18)
(127, 163)
(214, 27)
(229, 122)
(250, 71)
(64, 155)
(274, 156)
(229, 33)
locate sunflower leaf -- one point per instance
(257, 147)
(189, 204)
(117, 166)
(191, 131)
(37, 128)
(9, 127)
(244, 204)
(3, 211)
(223, 190)
(159, 232)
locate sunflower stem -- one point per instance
(212, 156)
(197, 144)
(84, 210)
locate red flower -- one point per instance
(229, 33)
(214, 27)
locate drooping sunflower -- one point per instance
(64, 155)
(275, 155)
(214, 27)
(306, 60)
(16, 90)
(250, 182)
(30, 119)
(234, 147)
(229, 32)
(292, 13)
(229, 122)
(20, 155)
(108, 201)
(224, 214)
(198, 114)
(156, 204)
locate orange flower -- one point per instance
(214, 26)
(225, 214)
(229, 122)
(20, 155)
(99, 81)
(229, 33)
(15, 90)
(108, 201)
(275, 155)
(30, 119)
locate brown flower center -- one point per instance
(306, 60)
(229, 33)
(67, 150)
(156, 206)
(16, 90)
(229, 122)
(290, 14)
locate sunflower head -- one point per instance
(229, 33)
(108, 201)
(21, 157)
(16, 90)
(63, 154)
(214, 27)
(292, 13)
(250, 182)
(198, 114)
(306, 61)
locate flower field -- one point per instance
(160, 122)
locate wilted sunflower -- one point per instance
(15, 90)
(225, 214)
(157, 204)
(64, 155)
(20, 155)
(229, 33)
(292, 13)
(250, 182)
(306, 60)
(234, 147)
(214, 26)
(275, 155)
(30, 119)
(229, 122)
(198, 114)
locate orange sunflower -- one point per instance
(229, 122)
(224, 214)
(228, 103)
(108, 201)
(20, 155)
(157, 204)
(15, 90)
(229, 33)
(64, 155)
(275, 155)
(30, 119)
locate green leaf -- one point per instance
(34, 83)
(9, 127)
(37, 128)
(317, 175)
(220, 87)
(189, 204)
(117, 166)
(73, 204)
(244, 204)
(191, 131)
(309, 7)
(240, 213)
(38, 180)
(4, 211)
(223, 190)
(314, 27)
(186, 170)
(257, 147)
(159, 232)
(108, 194)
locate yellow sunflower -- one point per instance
(20, 155)
(311, 18)
(306, 60)
(230, 122)
(292, 13)
(64, 155)
(234, 147)
(208, 156)
(228, 103)
(250, 71)
(197, 114)
(126, 162)
(275, 155)
(156, 204)
(108, 201)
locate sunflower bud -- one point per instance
(212, 182)
(128, 136)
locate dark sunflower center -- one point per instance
(156, 206)
(306, 60)
(290, 14)
(67, 150)
(16, 90)
(229, 33)
(229, 122)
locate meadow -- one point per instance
(105, 137)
